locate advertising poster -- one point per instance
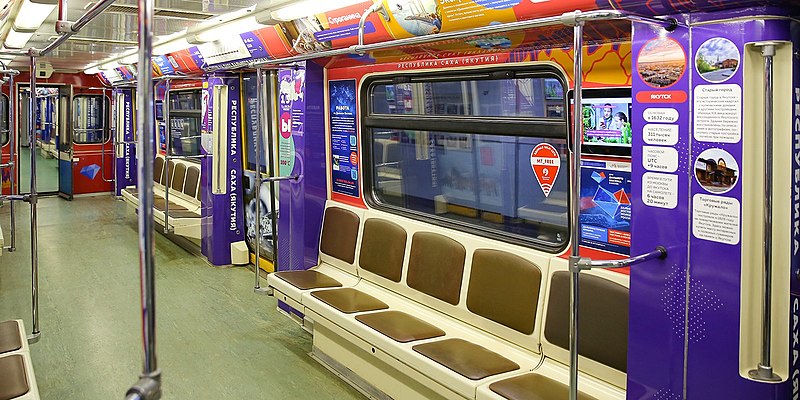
(341, 26)
(273, 40)
(605, 220)
(344, 139)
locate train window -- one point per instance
(4, 127)
(89, 118)
(184, 120)
(517, 97)
(460, 153)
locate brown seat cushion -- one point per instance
(13, 379)
(161, 205)
(603, 308)
(436, 266)
(383, 247)
(135, 193)
(533, 387)
(466, 358)
(190, 187)
(339, 234)
(504, 288)
(9, 337)
(400, 326)
(349, 300)
(183, 214)
(310, 279)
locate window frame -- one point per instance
(529, 127)
(106, 119)
(184, 113)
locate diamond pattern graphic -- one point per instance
(598, 176)
(90, 171)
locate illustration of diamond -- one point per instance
(610, 202)
(598, 176)
(90, 171)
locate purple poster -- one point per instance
(660, 177)
(291, 110)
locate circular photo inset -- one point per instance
(717, 60)
(661, 62)
(716, 170)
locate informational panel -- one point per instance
(605, 221)
(344, 137)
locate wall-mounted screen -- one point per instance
(606, 115)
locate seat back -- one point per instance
(171, 170)
(383, 248)
(179, 178)
(337, 244)
(436, 266)
(603, 308)
(504, 288)
(158, 169)
(191, 187)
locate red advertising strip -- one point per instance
(619, 238)
(183, 62)
(275, 41)
(346, 21)
(668, 96)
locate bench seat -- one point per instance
(17, 381)
(184, 196)
(401, 354)
(418, 311)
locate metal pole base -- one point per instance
(266, 291)
(147, 388)
(34, 337)
(764, 374)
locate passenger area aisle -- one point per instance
(216, 339)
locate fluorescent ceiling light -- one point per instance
(32, 14)
(130, 59)
(110, 65)
(17, 40)
(306, 8)
(92, 71)
(170, 46)
(220, 32)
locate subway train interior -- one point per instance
(400, 199)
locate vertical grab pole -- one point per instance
(111, 135)
(764, 370)
(271, 96)
(13, 133)
(167, 152)
(575, 195)
(257, 144)
(149, 385)
(32, 104)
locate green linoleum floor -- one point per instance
(216, 338)
(46, 171)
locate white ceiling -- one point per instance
(115, 30)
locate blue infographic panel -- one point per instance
(605, 220)
(344, 139)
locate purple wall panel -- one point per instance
(715, 272)
(126, 161)
(658, 296)
(223, 219)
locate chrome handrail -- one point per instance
(764, 371)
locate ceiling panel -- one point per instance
(115, 30)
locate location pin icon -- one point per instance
(545, 162)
